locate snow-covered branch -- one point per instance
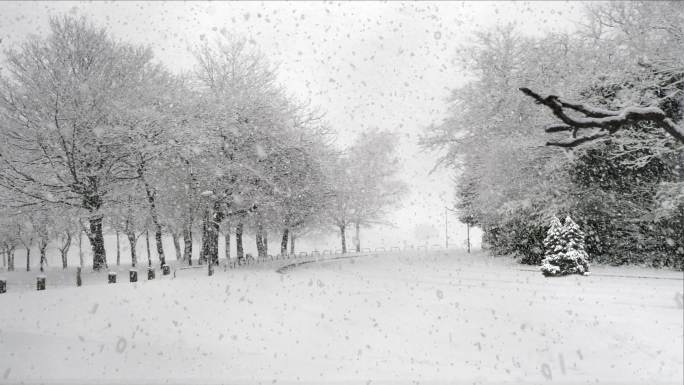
(605, 122)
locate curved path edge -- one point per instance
(284, 269)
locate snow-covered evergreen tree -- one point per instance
(553, 243)
(564, 249)
(572, 235)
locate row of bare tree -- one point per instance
(97, 136)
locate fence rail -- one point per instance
(292, 259)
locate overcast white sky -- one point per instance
(366, 64)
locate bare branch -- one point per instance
(557, 128)
(590, 111)
(607, 121)
(577, 141)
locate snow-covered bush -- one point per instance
(565, 253)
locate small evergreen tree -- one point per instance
(564, 249)
(572, 235)
(554, 243)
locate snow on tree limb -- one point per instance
(557, 128)
(607, 122)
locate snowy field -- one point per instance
(393, 318)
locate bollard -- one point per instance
(3, 286)
(150, 273)
(166, 270)
(40, 282)
(133, 275)
(79, 281)
(210, 268)
(111, 277)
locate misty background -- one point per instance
(366, 65)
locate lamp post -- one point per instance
(446, 226)
(446, 229)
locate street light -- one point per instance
(446, 227)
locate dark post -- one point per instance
(111, 277)
(210, 268)
(79, 281)
(40, 282)
(166, 270)
(3, 286)
(133, 275)
(150, 273)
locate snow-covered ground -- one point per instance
(393, 318)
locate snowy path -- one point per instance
(393, 318)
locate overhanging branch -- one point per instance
(607, 122)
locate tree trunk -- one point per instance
(151, 199)
(199, 242)
(292, 243)
(238, 241)
(97, 242)
(92, 202)
(681, 165)
(10, 260)
(132, 241)
(344, 239)
(187, 243)
(211, 225)
(80, 249)
(64, 248)
(357, 241)
(176, 245)
(283, 242)
(118, 249)
(147, 242)
(193, 184)
(28, 259)
(259, 244)
(226, 239)
(42, 245)
(64, 258)
(4, 260)
(160, 246)
(202, 257)
(261, 253)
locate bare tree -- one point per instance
(69, 106)
(9, 237)
(65, 237)
(26, 237)
(226, 226)
(365, 184)
(43, 234)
